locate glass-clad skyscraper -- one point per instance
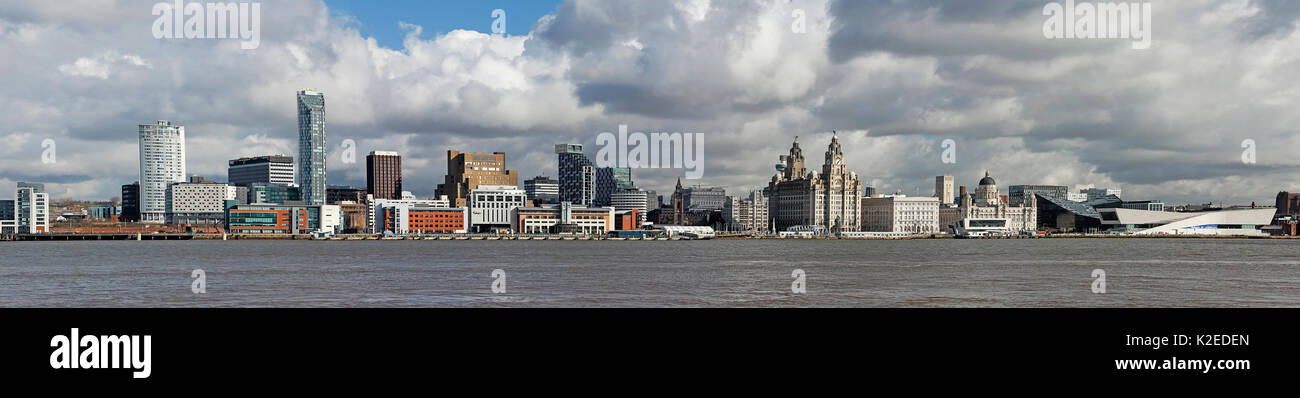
(311, 146)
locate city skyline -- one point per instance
(1091, 113)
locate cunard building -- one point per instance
(799, 197)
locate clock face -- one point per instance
(839, 161)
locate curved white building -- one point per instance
(1216, 223)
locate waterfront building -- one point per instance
(8, 217)
(384, 175)
(467, 171)
(900, 213)
(1076, 197)
(632, 199)
(986, 211)
(375, 224)
(564, 218)
(1016, 194)
(490, 206)
(1098, 193)
(625, 220)
(201, 203)
(1245, 222)
(944, 189)
(162, 162)
(283, 219)
(130, 203)
(312, 149)
(353, 217)
(705, 198)
(542, 190)
(31, 209)
(272, 169)
(422, 219)
(801, 197)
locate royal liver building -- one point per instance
(798, 197)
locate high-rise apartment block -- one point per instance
(311, 146)
(162, 162)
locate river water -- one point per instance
(718, 273)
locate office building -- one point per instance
(1016, 194)
(384, 175)
(564, 218)
(799, 197)
(610, 180)
(584, 184)
(201, 203)
(466, 171)
(490, 206)
(899, 213)
(336, 194)
(374, 216)
(702, 198)
(1098, 193)
(273, 169)
(1076, 197)
(746, 213)
(162, 162)
(542, 190)
(312, 149)
(944, 189)
(409, 219)
(283, 219)
(279, 194)
(130, 203)
(577, 175)
(8, 222)
(632, 199)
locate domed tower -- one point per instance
(987, 193)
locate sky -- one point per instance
(895, 79)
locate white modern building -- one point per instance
(564, 218)
(632, 199)
(1076, 197)
(28, 213)
(377, 206)
(899, 213)
(1246, 222)
(490, 206)
(198, 203)
(162, 162)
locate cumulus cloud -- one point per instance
(895, 78)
